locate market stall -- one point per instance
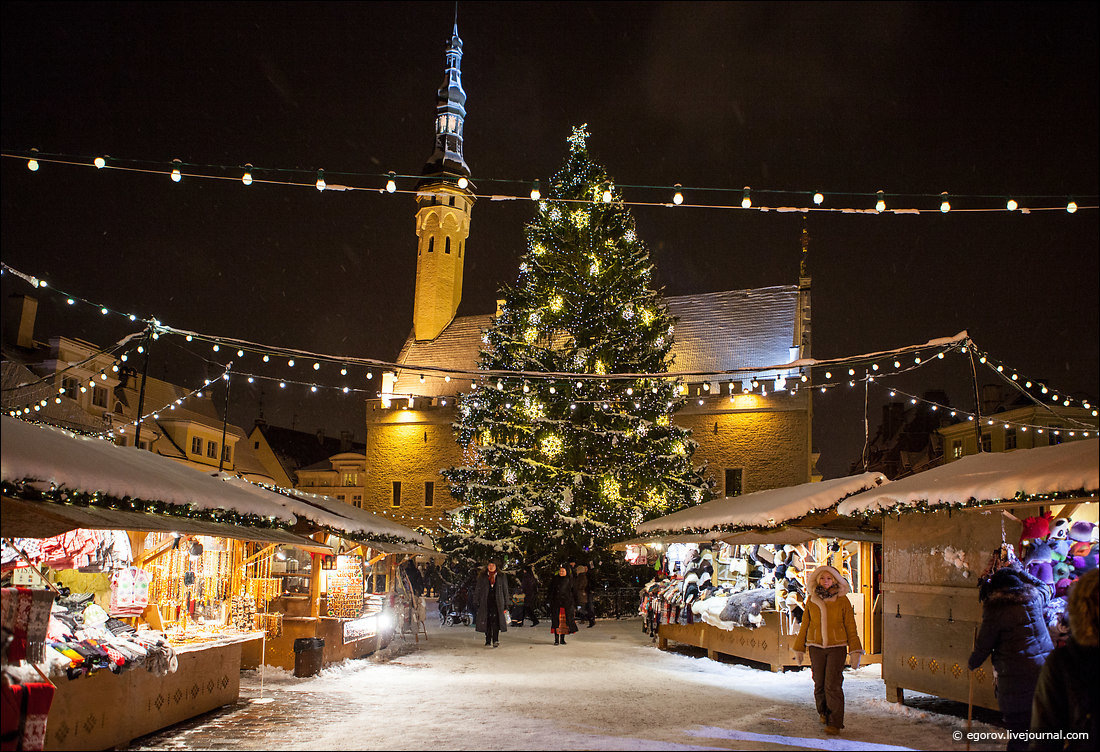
(944, 528)
(343, 604)
(730, 573)
(134, 563)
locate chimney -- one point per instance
(26, 322)
(345, 441)
(320, 436)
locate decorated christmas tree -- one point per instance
(569, 439)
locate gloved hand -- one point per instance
(800, 657)
(855, 658)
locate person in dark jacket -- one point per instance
(416, 582)
(491, 597)
(530, 585)
(562, 605)
(1065, 697)
(1014, 632)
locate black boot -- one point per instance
(557, 639)
(563, 639)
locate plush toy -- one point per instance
(1061, 587)
(1036, 527)
(1040, 551)
(1059, 529)
(1081, 531)
(1042, 570)
(1059, 548)
(1062, 570)
(1084, 563)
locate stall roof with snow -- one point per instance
(1064, 471)
(762, 509)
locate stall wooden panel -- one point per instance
(932, 563)
(106, 710)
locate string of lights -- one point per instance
(75, 366)
(783, 200)
(172, 405)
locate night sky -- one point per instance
(908, 98)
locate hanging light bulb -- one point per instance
(176, 174)
(321, 180)
(945, 205)
(463, 182)
(880, 206)
(607, 194)
(1012, 205)
(536, 194)
(32, 163)
(746, 202)
(99, 162)
(246, 178)
(421, 378)
(391, 184)
(678, 197)
(1071, 207)
(819, 198)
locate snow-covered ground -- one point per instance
(609, 688)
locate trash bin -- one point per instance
(308, 652)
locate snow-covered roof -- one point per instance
(764, 508)
(332, 513)
(991, 477)
(48, 455)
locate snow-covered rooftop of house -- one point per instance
(329, 512)
(51, 455)
(991, 477)
(765, 508)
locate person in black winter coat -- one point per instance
(1014, 632)
(562, 605)
(1065, 697)
(530, 585)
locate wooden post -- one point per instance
(315, 586)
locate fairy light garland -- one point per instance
(801, 200)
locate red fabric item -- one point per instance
(26, 707)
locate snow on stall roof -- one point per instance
(765, 508)
(991, 477)
(51, 455)
(333, 513)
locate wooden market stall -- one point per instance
(797, 516)
(59, 488)
(940, 531)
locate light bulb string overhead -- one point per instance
(171, 405)
(807, 200)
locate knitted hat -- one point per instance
(1036, 527)
(1040, 552)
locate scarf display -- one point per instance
(25, 709)
(26, 615)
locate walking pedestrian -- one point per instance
(562, 605)
(1065, 697)
(829, 632)
(1015, 633)
(581, 594)
(491, 597)
(530, 585)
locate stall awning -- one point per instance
(763, 509)
(649, 540)
(1071, 469)
(40, 519)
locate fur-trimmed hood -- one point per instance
(811, 580)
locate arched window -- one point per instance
(447, 246)
(431, 243)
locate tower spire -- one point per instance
(450, 113)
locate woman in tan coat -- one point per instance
(829, 631)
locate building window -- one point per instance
(144, 445)
(71, 387)
(431, 244)
(212, 450)
(956, 449)
(227, 455)
(196, 445)
(99, 396)
(351, 479)
(987, 442)
(357, 500)
(733, 481)
(447, 244)
(396, 501)
(255, 445)
(1054, 438)
(1010, 438)
(429, 493)
(341, 497)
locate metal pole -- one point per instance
(977, 400)
(141, 394)
(225, 416)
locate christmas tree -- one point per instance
(569, 441)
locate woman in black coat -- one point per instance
(562, 605)
(1014, 632)
(492, 598)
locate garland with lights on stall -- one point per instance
(1021, 499)
(559, 466)
(31, 490)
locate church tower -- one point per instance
(445, 198)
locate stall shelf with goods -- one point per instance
(141, 559)
(946, 528)
(347, 602)
(730, 573)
